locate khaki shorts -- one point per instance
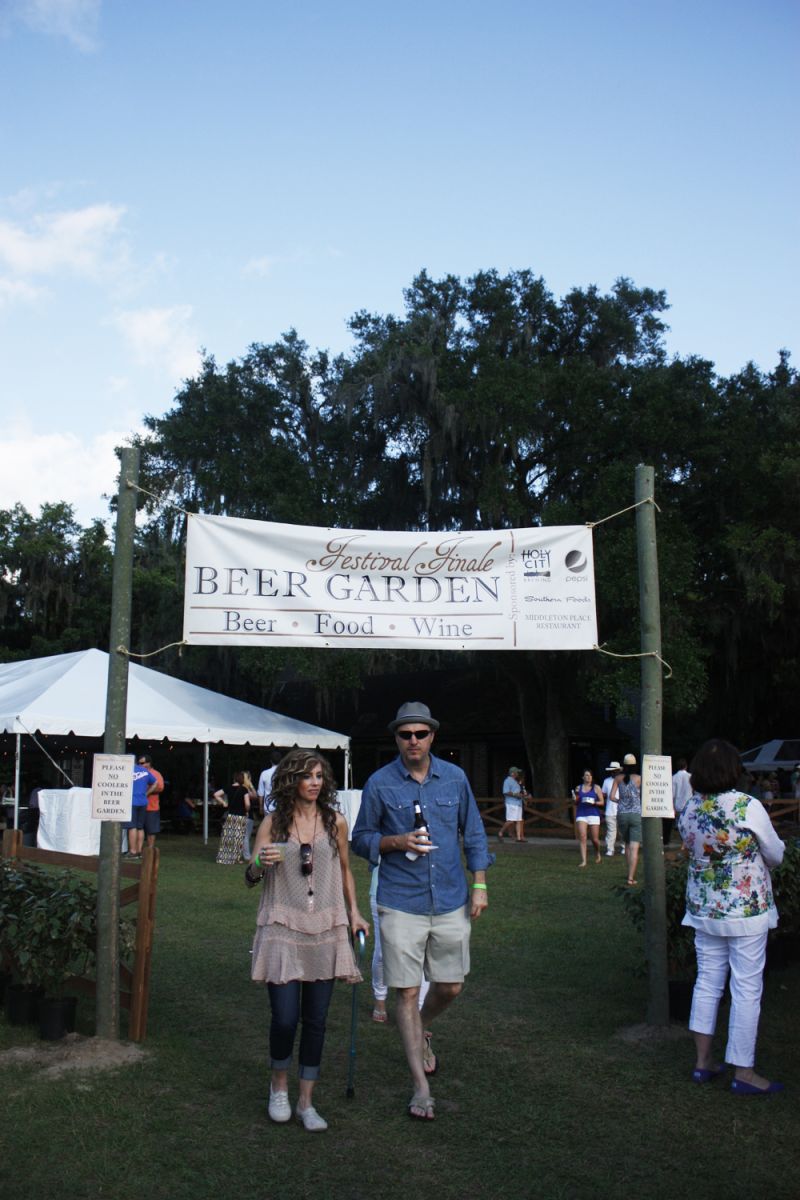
(629, 828)
(437, 945)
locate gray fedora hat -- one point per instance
(412, 711)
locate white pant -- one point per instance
(746, 957)
(611, 827)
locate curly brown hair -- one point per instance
(290, 770)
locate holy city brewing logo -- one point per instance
(537, 563)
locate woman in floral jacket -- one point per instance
(731, 845)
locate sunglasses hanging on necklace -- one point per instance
(307, 857)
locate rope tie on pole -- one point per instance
(645, 654)
(630, 508)
(132, 654)
(159, 499)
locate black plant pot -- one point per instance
(680, 999)
(22, 1004)
(57, 1017)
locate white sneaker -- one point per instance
(609, 853)
(279, 1108)
(310, 1119)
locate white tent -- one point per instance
(66, 694)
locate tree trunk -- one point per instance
(537, 677)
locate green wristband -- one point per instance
(480, 886)
(257, 861)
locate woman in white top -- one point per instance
(731, 845)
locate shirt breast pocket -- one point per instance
(400, 814)
(446, 809)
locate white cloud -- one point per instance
(162, 338)
(40, 468)
(13, 291)
(85, 242)
(75, 20)
(260, 266)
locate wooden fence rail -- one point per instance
(556, 818)
(134, 994)
(542, 818)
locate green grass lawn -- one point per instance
(540, 1093)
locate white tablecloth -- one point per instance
(66, 821)
(349, 804)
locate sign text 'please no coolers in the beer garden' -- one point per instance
(256, 583)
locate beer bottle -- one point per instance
(419, 827)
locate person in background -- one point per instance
(308, 909)
(184, 814)
(234, 827)
(265, 784)
(380, 991)
(514, 795)
(252, 795)
(731, 846)
(627, 791)
(31, 827)
(681, 791)
(143, 777)
(589, 801)
(152, 815)
(612, 771)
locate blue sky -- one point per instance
(192, 173)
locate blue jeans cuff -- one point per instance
(304, 1072)
(281, 1064)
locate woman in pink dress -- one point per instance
(308, 910)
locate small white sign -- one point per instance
(112, 787)
(657, 786)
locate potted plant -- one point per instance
(18, 884)
(62, 927)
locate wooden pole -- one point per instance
(108, 874)
(650, 741)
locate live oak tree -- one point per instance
(488, 402)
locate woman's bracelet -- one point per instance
(481, 887)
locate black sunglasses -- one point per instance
(306, 858)
(419, 734)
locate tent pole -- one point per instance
(205, 793)
(347, 766)
(17, 779)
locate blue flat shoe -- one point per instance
(703, 1075)
(740, 1088)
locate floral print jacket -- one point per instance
(732, 845)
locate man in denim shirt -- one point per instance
(424, 903)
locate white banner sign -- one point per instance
(112, 787)
(255, 583)
(657, 786)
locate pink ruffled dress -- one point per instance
(302, 936)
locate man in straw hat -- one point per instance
(612, 771)
(424, 903)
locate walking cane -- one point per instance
(351, 1091)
